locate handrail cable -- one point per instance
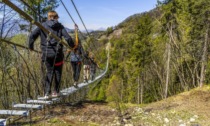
(67, 11)
(80, 17)
(71, 16)
(31, 20)
(12, 43)
(10, 4)
(74, 21)
(14, 7)
(83, 22)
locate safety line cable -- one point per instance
(80, 17)
(70, 16)
(83, 23)
(18, 45)
(10, 4)
(67, 11)
(81, 20)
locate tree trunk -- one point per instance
(142, 90)
(204, 59)
(138, 91)
(168, 48)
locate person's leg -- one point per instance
(77, 73)
(74, 68)
(88, 72)
(43, 74)
(58, 74)
(49, 76)
(85, 72)
(93, 74)
(74, 65)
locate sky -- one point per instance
(101, 14)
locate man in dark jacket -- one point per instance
(52, 51)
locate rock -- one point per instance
(166, 120)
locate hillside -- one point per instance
(163, 53)
(190, 108)
(187, 108)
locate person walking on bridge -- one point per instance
(52, 51)
(86, 67)
(76, 58)
(93, 66)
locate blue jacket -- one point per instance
(76, 55)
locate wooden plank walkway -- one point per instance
(3, 122)
(14, 112)
(28, 106)
(35, 104)
(39, 102)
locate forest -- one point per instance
(153, 55)
(158, 54)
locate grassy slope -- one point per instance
(191, 108)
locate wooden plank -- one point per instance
(65, 93)
(39, 102)
(14, 112)
(56, 99)
(28, 106)
(50, 98)
(72, 89)
(43, 98)
(69, 90)
(3, 122)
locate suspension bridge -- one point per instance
(25, 109)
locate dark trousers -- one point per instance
(76, 66)
(52, 72)
(92, 74)
(92, 71)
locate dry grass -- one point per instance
(186, 105)
(190, 108)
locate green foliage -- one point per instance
(114, 90)
(139, 54)
(19, 39)
(98, 92)
(109, 30)
(140, 51)
(41, 7)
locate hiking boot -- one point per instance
(75, 84)
(86, 80)
(92, 78)
(46, 96)
(55, 94)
